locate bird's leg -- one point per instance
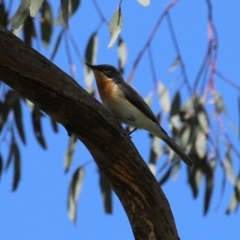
(122, 121)
(129, 133)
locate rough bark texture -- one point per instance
(40, 81)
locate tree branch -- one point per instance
(40, 81)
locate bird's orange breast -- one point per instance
(107, 89)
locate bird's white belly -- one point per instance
(130, 115)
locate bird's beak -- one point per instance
(91, 66)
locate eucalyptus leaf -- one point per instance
(46, 23)
(175, 64)
(201, 143)
(235, 200)
(122, 54)
(65, 12)
(18, 120)
(3, 15)
(166, 176)
(233, 203)
(148, 99)
(54, 124)
(21, 14)
(68, 8)
(219, 104)
(154, 154)
(90, 57)
(208, 189)
(203, 121)
(228, 165)
(11, 151)
(17, 167)
(176, 103)
(164, 97)
(34, 7)
(115, 26)
(73, 193)
(185, 135)
(37, 126)
(106, 193)
(70, 151)
(145, 3)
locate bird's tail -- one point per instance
(177, 150)
(158, 131)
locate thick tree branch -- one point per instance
(28, 72)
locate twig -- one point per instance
(227, 80)
(151, 36)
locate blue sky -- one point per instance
(38, 209)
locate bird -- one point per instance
(129, 107)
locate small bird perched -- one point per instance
(128, 106)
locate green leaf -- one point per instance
(73, 6)
(73, 193)
(185, 135)
(11, 97)
(145, 3)
(68, 8)
(200, 143)
(106, 193)
(175, 170)
(228, 165)
(148, 99)
(166, 176)
(3, 15)
(14, 156)
(54, 125)
(196, 174)
(21, 14)
(219, 104)
(115, 26)
(11, 151)
(164, 97)
(91, 50)
(175, 64)
(122, 54)
(90, 57)
(34, 7)
(4, 110)
(237, 188)
(36, 120)
(18, 120)
(57, 45)
(65, 12)
(189, 105)
(46, 23)
(234, 202)
(154, 154)
(70, 151)
(208, 189)
(176, 103)
(17, 167)
(203, 121)
(28, 31)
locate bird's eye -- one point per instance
(105, 69)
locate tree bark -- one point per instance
(57, 94)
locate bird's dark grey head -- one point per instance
(109, 71)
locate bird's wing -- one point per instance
(136, 100)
